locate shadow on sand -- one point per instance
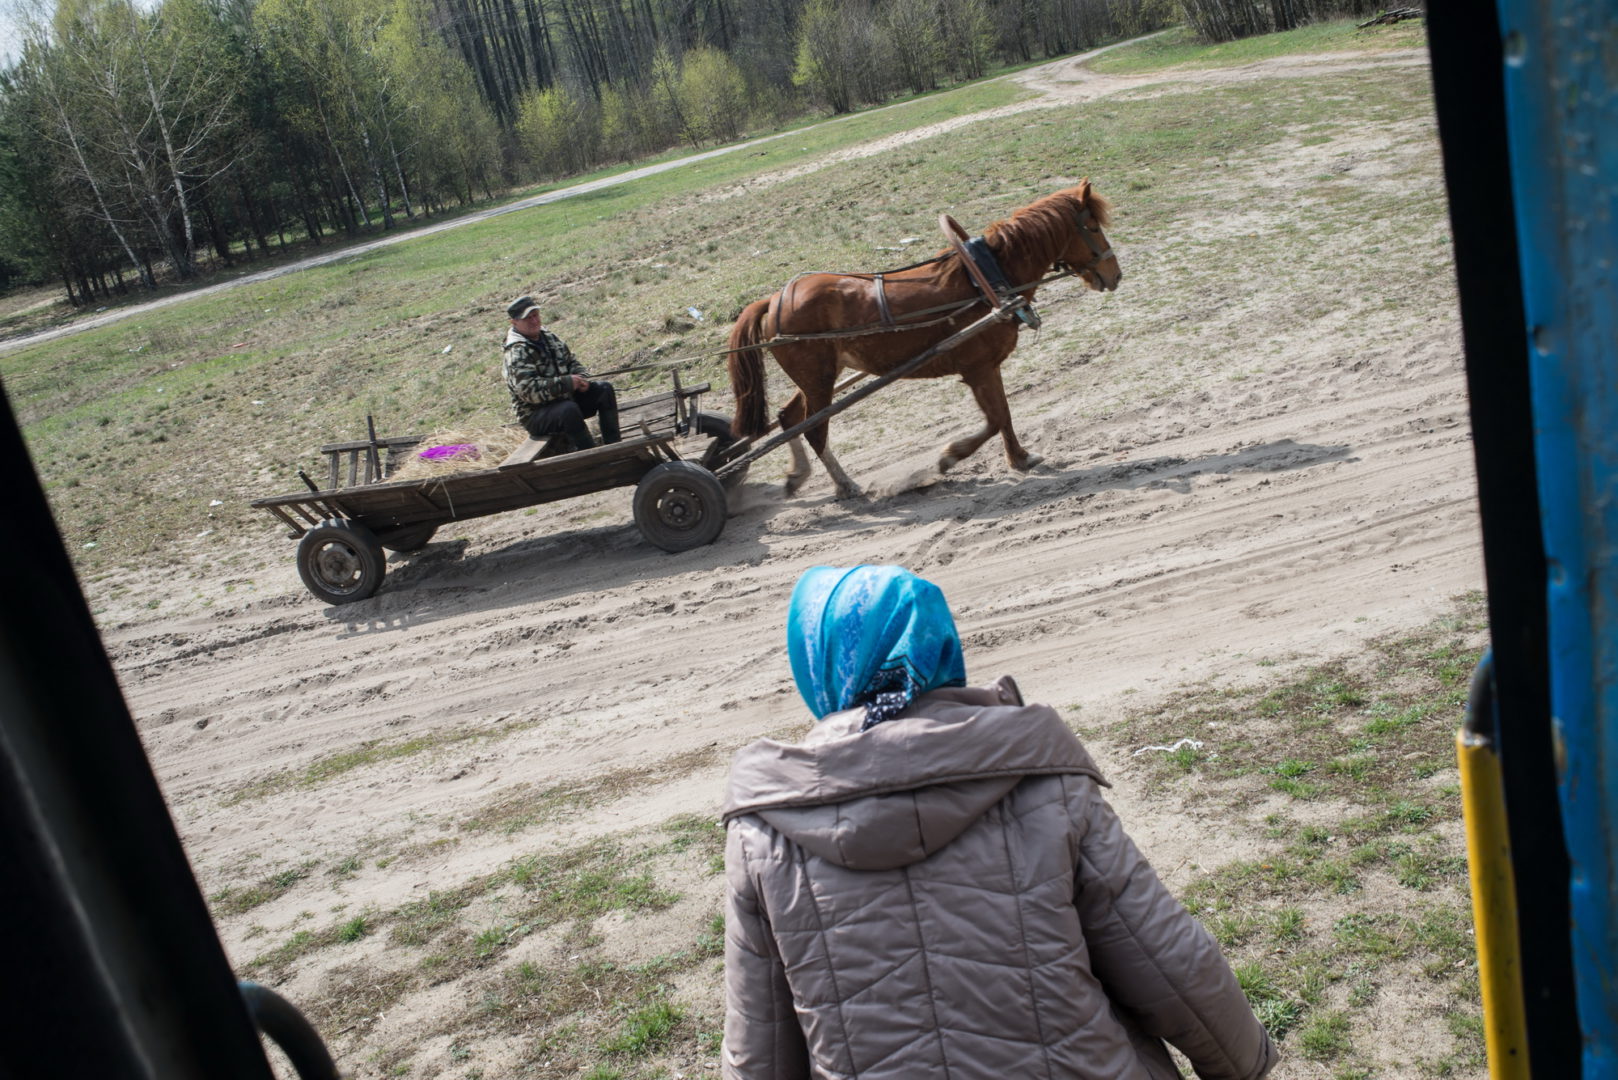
(555, 571)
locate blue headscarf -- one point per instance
(875, 636)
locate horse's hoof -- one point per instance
(1028, 462)
(790, 488)
(948, 462)
(852, 491)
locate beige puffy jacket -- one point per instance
(948, 895)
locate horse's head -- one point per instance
(1088, 253)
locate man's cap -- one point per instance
(520, 307)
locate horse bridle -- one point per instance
(1087, 225)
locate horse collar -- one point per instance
(981, 254)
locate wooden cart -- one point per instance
(343, 528)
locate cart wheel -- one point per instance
(679, 506)
(719, 450)
(409, 538)
(340, 561)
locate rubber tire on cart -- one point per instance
(717, 428)
(409, 538)
(679, 506)
(340, 561)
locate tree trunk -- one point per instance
(164, 128)
(342, 167)
(221, 242)
(252, 215)
(72, 136)
(393, 158)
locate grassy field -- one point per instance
(1179, 47)
(1362, 757)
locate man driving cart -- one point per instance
(550, 391)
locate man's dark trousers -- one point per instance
(569, 415)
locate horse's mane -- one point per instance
(1052, 216)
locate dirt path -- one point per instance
(1211, 508)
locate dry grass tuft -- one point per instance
(493, 444)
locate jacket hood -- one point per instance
(893, 795)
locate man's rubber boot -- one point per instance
(608, 418)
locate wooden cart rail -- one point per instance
(363, 467)
(455, 496)
(359, 457)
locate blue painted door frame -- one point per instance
(1560, 62)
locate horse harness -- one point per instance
(984, 270)
(981, 265)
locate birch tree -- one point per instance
(153, 106)
(63, 107)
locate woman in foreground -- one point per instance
(931, 885)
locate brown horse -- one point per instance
(896, 317)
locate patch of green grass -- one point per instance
(523, 808)
(1362, 722)
(565, 887)
(420, 921)
(1407, 814)
(1398, 722)
(1466, 1027)
(588, 882)
(1180, 46)
(514, 811)
(490, 941)
(299, 943)
(1184, 757)
(644, 1030)
(1298, 789)
(711, 942)
(1275, 1009)
(334, 765)
(236, 900)
(1289, 924)
(700, 833)
(1324, 1036)
(510, 813)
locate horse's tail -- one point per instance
(747, 372)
